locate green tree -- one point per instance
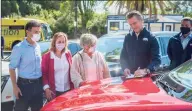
(181, 7)
(29, 8)
(9, 7)
(59, 14)
(150, 6)
(97, 24)
(86, 11)
(49, 4)
(64, 20)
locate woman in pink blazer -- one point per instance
(56, 65)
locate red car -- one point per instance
(164, 92)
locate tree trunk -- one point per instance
(84, 23)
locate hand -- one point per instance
(127, 72)
(140, 73)
(16, 91)
(80, 84)
(48, 94)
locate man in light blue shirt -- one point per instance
(26, 57)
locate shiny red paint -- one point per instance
(118, 94)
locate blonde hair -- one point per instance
(55, 37)
(87, 39)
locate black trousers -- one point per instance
(32, 95)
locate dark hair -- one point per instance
(187, 19)
(31, 24)
(134, 13)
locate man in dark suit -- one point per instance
(180, 46)
(140, 53)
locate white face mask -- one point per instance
(60, 47)
(92, 49)
(36, 37)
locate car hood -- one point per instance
(115, 93)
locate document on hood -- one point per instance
(130, 76)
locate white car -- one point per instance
(6, 88)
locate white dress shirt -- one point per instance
(185, 40)
(61, 72)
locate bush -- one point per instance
(97, 24)
(64, 24)
(9, 7)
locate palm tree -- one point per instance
(150, 6)
(86, 11)
(181, 7)
(83, 9)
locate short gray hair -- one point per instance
(87, 39)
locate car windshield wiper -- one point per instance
(177, 79)
(182, 83)
(166, 85)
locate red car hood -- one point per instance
(118, 94)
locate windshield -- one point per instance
(183, 74)
(110, 50)
(179, 82)
(46, 31)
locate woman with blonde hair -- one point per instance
(88, 64)
(56, 65)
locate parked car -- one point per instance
(110, 45)
(165, 92)
(7, 98)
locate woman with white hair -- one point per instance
(88, 64)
